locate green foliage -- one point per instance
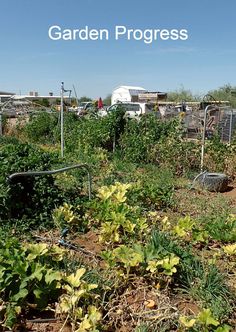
(95, 132)
(4, 197)
(84, 99)
(26, 196)
(26, 277)
(69, 217)
(191, 230)
(181, 95)
(204, 321)
(143, 259)
(176, 154)
(200, 281)
(140, 137)
(224, 93)
(74, 303)
(207, 284)
(115, 218)
(41, 127)
(153, 188)
(158, 257)
(147, 140)
(221, 227)
(220, 157)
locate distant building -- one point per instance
(152, 97)
(32, 97)
(126, 93)
(4, 96)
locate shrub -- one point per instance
(140, 137)
(96, 132)
(32, 197)
(153, 188)
(41, 128)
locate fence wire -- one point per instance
(221, 120)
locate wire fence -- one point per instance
(221, 120)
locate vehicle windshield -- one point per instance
(127, 107)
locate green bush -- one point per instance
(31, 197)
(182, 157)
(41, 128)
(153, 188)
(146, 140)
(96, 132)
(140, 137)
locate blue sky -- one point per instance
(31, 61)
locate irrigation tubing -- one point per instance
(60, 170)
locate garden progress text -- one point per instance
(120, 32)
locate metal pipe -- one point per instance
(230, 126)
(204, 137)
(62, 120)
(0, 122)
(60, 170)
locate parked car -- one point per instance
(85, 105)
(132, 110)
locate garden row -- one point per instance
(148, 253)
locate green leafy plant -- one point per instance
(27, 277)
(116, 218)
(72, 303)
(27, 196)
(143, 259)
(221, 227)
(41, 127)
(166, 265)
(190, 230)
(153, 189)
(207, 284)
(204, 321)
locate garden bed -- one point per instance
(146, 253)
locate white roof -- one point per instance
(128, 87)
(19, 97)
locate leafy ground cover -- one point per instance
(146, 253)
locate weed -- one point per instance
(207, 284)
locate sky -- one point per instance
(31, 61)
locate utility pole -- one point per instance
(62, 119)
(0, 121)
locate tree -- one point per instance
(181, 95)
(43, 102)
(225, 93)
(84, 98)
(107, 100)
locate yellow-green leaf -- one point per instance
(36, 249)
(152, 266)
(187, 322)
(206, 318)
(230, 249)
(85, 325)
(74, 279)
